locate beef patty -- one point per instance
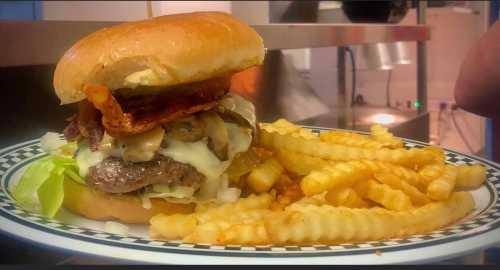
(114, 175)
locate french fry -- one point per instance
(172, 227)
(300, 164)
(206, 233)
(263, 177)
(383, 194)
(406, 174)
(430, 172)
(381, 134)
(301, 224)
(318, 200)
(470, 176)
(245, 234)
(346, 174)
(346, 197)
(349, 139)
(206, 211)
(287, 188)
(341, 175)
(417, 198)
(441, 188)
(282, 126)
(313, 147)
(437, 152)
(210, 222)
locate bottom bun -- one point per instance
(98, 205)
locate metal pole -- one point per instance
(341, 83)
(421, 61)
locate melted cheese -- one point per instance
(135, 148)
(86, 159)
(142, 147)
(198, 155)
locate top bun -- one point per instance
(176, 49)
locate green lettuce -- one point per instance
(45, 177)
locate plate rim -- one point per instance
(274, 256)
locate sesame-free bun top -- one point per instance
(176, 49)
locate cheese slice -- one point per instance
(198, 155)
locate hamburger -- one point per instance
(156, 127)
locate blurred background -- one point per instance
(379, 68)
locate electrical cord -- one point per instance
(460, 131)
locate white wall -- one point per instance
(172, 7)
(252, 12)
(94, 10)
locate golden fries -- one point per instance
(300, 224)
(406, 174)
(263, 177)
(288, 190)
(346, 174)
(381, 134)
(341, 175)
(346, 197)
(308, 223)
(172, 227)
(470, 176)
(300, 164)
(430, 172)
(349, 139)
(437, 152)
(416, 197)
(316, 148)
(282, 126)
(383, 194)
(329, 188)
(441, 188)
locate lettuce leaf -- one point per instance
(36, 174)
(45, 178)
(51, 193)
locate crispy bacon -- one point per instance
(89, 124)
(132, 115)
(86, 124)
(72, 132)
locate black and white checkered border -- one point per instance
(16, 156)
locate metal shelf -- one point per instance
(294, 36)
(43, 42)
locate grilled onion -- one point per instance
(237, 109)
(189, 129)
(218, 138)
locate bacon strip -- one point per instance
(72, 132)
(137, 116)
(87, 124)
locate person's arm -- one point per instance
(477, 89)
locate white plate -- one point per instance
(479, 230)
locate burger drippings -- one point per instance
(122, 116)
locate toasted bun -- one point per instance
(178, 48)
(98, 205)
